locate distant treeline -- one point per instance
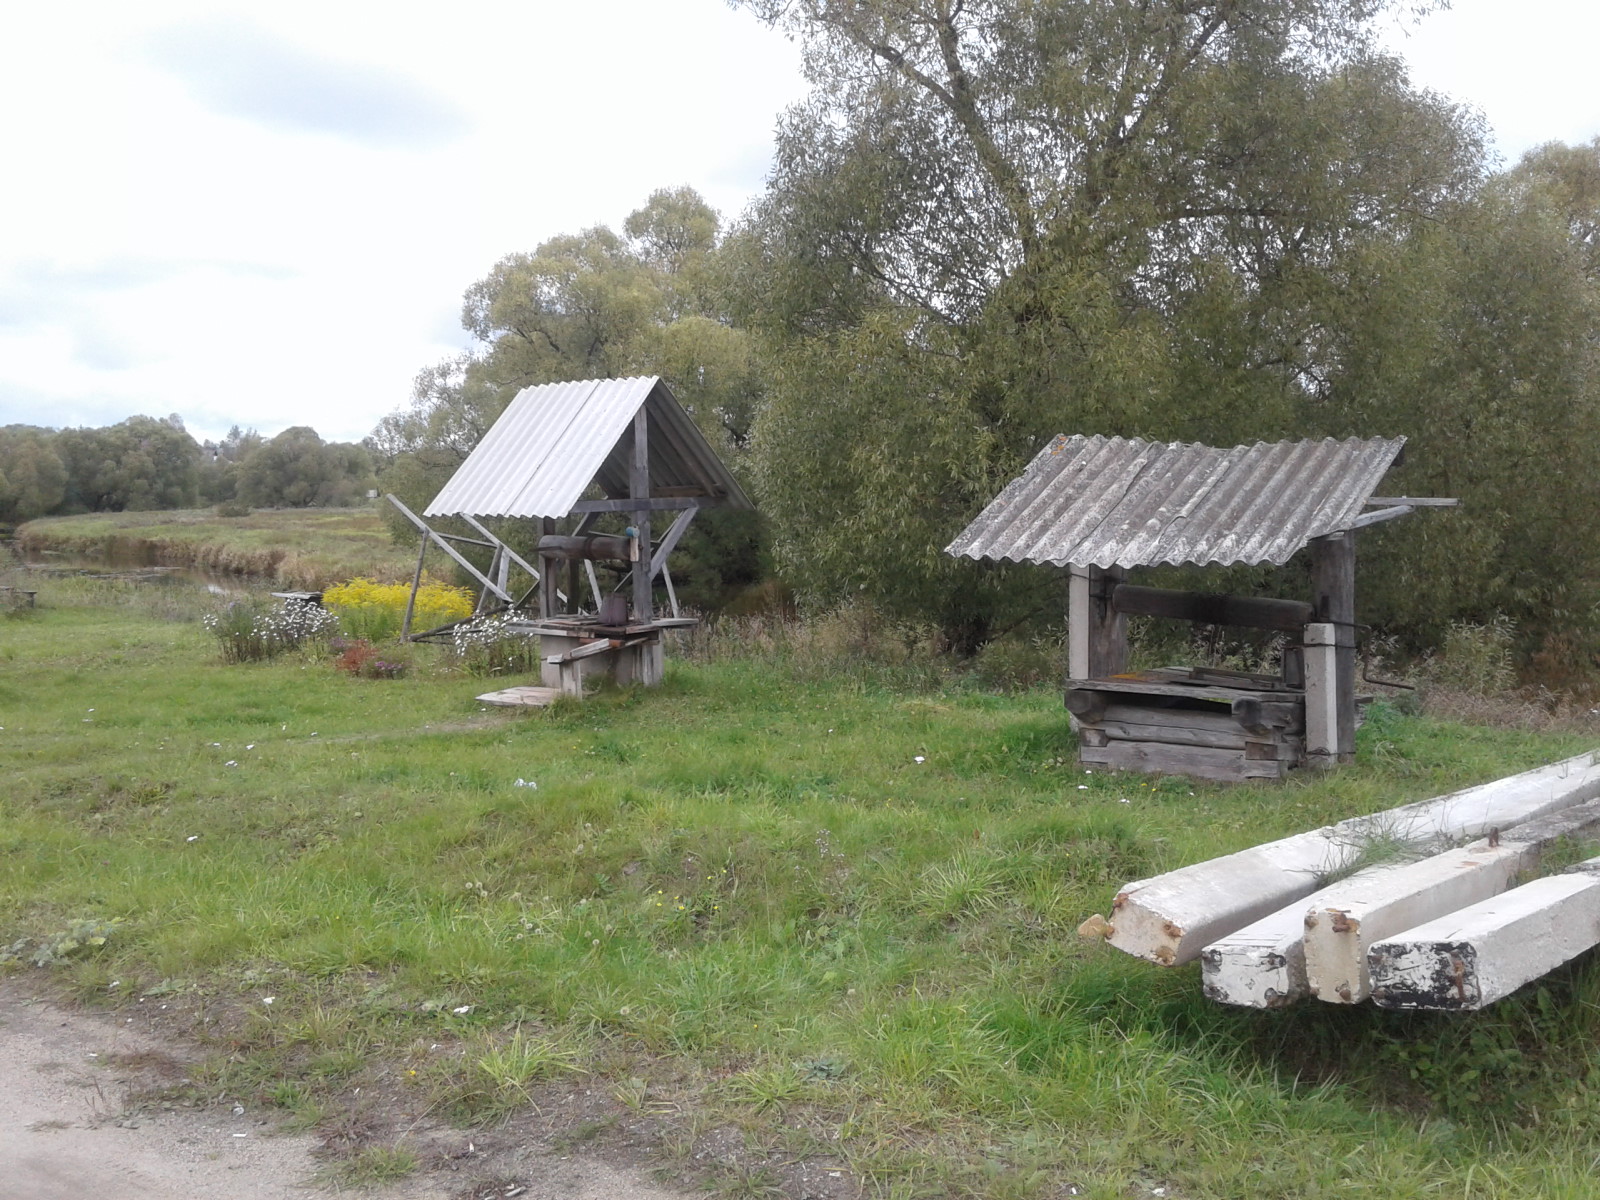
(145, 463)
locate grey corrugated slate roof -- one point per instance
(1124, 502)
(554, 439)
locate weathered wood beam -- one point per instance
(639, 490)
(450, 550)
(598, 546)
(515, 557)
(1341, 927)
(1170, 918)
(1254, 612)
(416, 582)
(1414, 501)
(1472, 958)
(1097, 635)
(1382, 514)
(653, 504)
(669, 542)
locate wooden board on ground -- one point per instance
(521, 697)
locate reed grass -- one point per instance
(289, 548)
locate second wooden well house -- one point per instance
(1100, 506)
(570, 455)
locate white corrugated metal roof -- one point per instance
(1098, 501)
(555, 439)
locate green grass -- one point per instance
(741, 891)
(300, 548)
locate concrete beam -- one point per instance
(1170, 918)
(1472, 958)
(1341, 928)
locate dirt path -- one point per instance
(67, 1132)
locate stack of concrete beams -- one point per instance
(1412, 908)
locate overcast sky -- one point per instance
(266, 214)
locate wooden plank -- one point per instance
(1200, 762)
(1343, 925)
(1469, 959)
(646, 503)
(1170, 918)
(1183, 691)
(587, 650)
(450, 550)
(1415, 501)
(1382, 514)
(1176, 735)
(416, 582)
(521, 697)
(1212, 608)
(669, 542)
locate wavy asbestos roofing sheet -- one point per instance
(555, 439)
(1124, 502)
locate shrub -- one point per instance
(489, 646)
(252, 630)
(362, 658)
(375, 611)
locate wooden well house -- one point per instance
(578, 457)
(1100, 507)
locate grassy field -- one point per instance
(789, 894)
(292, 548)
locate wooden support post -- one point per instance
(1333, 596)
(416, 582)
(1097, 635)
(639, 491)
(547, 577)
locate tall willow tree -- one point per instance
(994, 220)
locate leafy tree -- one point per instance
(992, 222)
(33, 479)
(297, 469)
(141, 463)
(220, 462)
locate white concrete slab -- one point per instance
(1344, 925)
(1170, 918)
(1263, 965)
(1480, 954)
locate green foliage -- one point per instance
(33, 479)
(297, 469)
(80, 937)
(1217, 222)
(139, 464)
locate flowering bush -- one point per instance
(375, 611)
(491, 646)
(252, 630)
(362, 658)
